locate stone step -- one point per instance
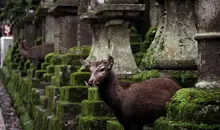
(50, 69)
(95, 108)
(68, 110)
(79, 78)
(92, 123)
(62, 74)
(53, 94)
(93, 94)
(74, 93)
(166, 124)
(73, 59)
(39, 73)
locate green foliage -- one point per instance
(38, 41)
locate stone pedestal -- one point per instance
(114, 38)
(119, 45)
(174, 46)
(208, 38)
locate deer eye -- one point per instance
(102, 69)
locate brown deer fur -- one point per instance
(36, 53)
(134, 106)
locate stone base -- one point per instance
(208, 85)
(191, 108)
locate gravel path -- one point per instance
(10, 118)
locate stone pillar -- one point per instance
(68, 32)
(100, 48)
(174, 46)
(30, 34)
(49, 29)
(56, 33)
(208, 37)
(120, 49)
(154, 13)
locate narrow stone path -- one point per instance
(8, 117)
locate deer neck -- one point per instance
(110, 91)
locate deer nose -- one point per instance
(90, 82)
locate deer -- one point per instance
(136, 105)
(36, 53)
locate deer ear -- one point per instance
(110, 62)
(86, 63)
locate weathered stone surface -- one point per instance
(174, 46)
(208, 43)
(120, 50)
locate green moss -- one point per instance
(50, 69)
(53, 94)
(14, 66)
(149, 60)
(62, 74)
(196, 106)
(134, 38)
(146, 75)
(38, 41)
(49, 56)
(95, 108)
(92, 123)
(56, 59)
(79, 50)
(43, 101)
(74, 93)
(114, 125)
(133, 30)
(79, 78)
(39, 73)
(184, 78)
(73, 59)
(27, 65)
(149, 38)
(93, 94)
(165, 124)
(46, 77)
(67, 110)
(44, 66)
(54, 123)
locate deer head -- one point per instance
(99, 70)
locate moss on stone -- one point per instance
(67, 110)
(50, 69)
(95, 108)
(92, 123)
(134, 38)
(149, 37)
(46, 77)
(146, 75)
(49, 57)
(166, 124)
(74, 93)
(73, 59)
(54, 123)
(56, 59)
(27, 65)
(184, 78)
(149, 60)
(196, 106)
(85, 50)
(62, 74)
(39, 73)
(53, 94)
(44, 66)
(43, 101)
(93, 94)
(79, 78)
(114, 125)
(30, 73)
